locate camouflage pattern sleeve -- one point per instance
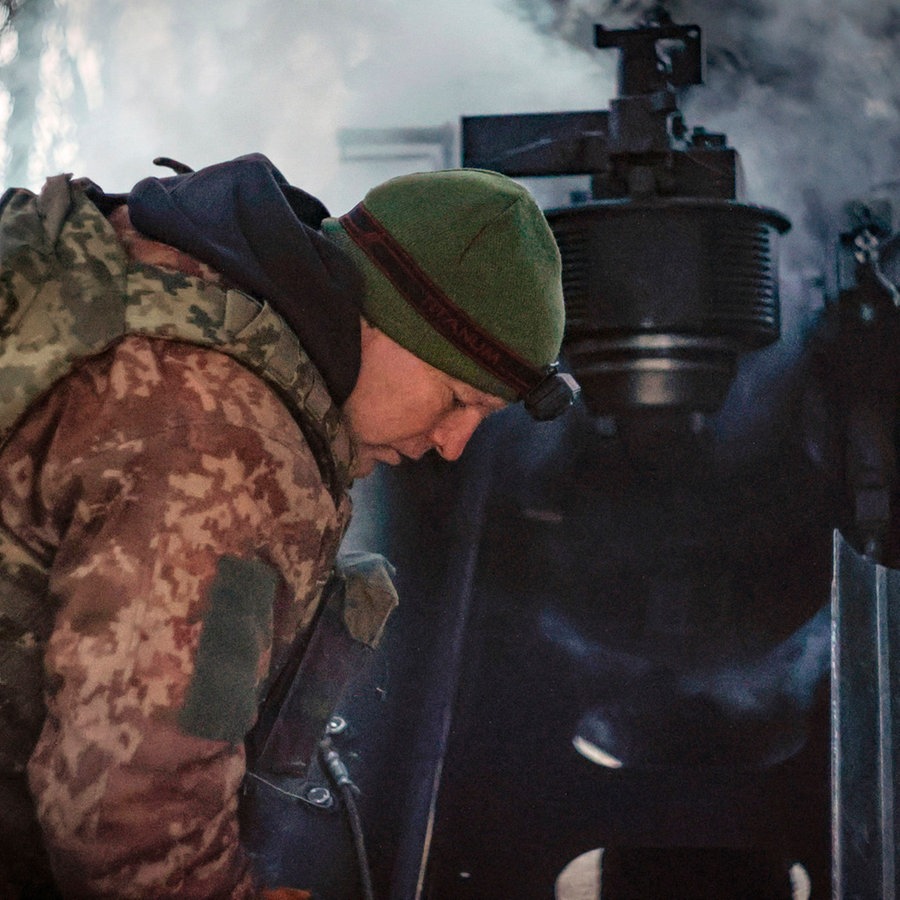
(189, 534)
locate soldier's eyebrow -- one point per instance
(488, 401)
(472, 396)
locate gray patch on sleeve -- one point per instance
(222, 697)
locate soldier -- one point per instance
(192, 375)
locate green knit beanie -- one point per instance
(461, 269)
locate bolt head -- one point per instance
(319, 796)
(336, 725)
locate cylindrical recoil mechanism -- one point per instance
(663, 294)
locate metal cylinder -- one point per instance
(662, 296)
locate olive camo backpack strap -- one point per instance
(61, 279)
(68, 291)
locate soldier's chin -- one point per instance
(364, 465)
(367, 458)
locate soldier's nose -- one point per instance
(450, 439)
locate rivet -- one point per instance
(336, 725)
(319, 796)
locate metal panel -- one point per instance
(532, 144)
(865, 683)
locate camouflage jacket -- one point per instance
(162, 508)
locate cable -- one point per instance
(348, 790)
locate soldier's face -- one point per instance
(401, 407)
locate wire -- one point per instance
(359, 843)
(275, 787)
(348, 791)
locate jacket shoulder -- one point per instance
(61, 277)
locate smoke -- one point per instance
(735, 709)
(792, 671)
(106, 86)
(808, 91)
(789, 672)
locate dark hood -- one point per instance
(243, 219)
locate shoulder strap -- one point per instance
(68, 291)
